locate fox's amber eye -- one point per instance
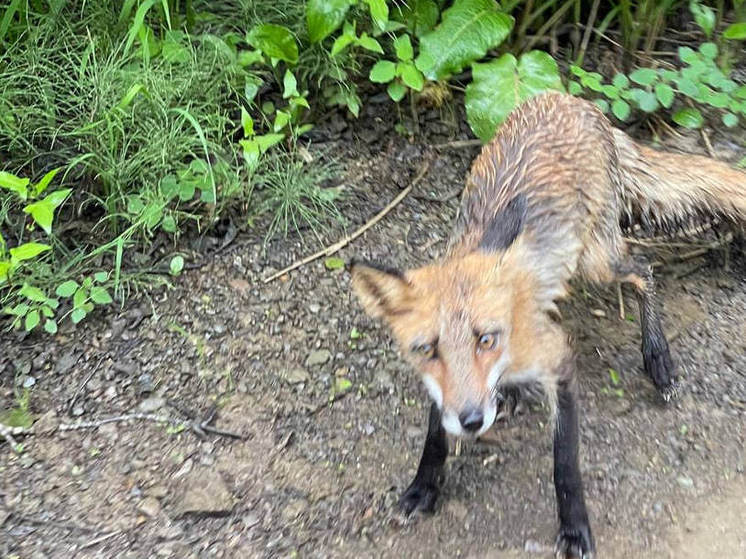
(425, 350)
(487, 342)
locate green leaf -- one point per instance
(324, 16)
(14, 184)
(735, 31)
(77, 315)
(499, 85)
(610, 91)
(704, 16)
(420, 16)
(290, 85)
(614, 376)
(644, 76)
(176, 265)
(730, 120)
(28, 251)
(19, 310)
(369, 43)
(50, 326)
(334, 263)
(396, 91)
(43, 210)
(664, 93)
(343, 41)
(709, 50)
(379, 11)
(648, 101)
(101, 277)
(602, 104)
(621, 109)
(100, 295)
(42, 185)
(687, 55)
(621, 81)
(382, 71)
(687, 87)
(468, 30)
(411, 76)
(574, 88)
(282, 118)
(33, 293)
(688, 118)
(342, 384)
(80, 298)
(275, 41)
(403, 48)
(32, 320)
(47, 311)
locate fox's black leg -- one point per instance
(423, 491)
(575, 538)
(656, 356)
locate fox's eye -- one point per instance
(487, 342)
(425, 350)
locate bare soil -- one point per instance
(315, 479)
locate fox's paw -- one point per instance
(420, 496)
(509, 403)
(574, 543)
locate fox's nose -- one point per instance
(472, 419)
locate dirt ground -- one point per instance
(315, 479)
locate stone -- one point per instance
(296, 376)
(204, 494)
(149, 405)
(318, 357)
(149, 506)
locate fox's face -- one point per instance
(456, 323)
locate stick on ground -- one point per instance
(328, 251)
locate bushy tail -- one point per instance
(670, 192)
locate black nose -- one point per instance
(471, 419)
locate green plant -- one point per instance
(700, 81)
(401, 74)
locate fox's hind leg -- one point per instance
(423, 491)
(655, 353)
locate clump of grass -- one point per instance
(293, 191)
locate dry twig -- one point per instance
(328, 251)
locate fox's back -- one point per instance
(554, 153)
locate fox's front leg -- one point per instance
(575, 538)
(423, 491)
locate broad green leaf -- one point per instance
(174, 49)
(687, 87)
(77, 315)
(50, 326)
(644, 76)
(281, 120)
(621, 109)
(14, 184)
(730, 120)
(100, 295)
(610, 91)
(290, 85)
(168, 224)
(687, 55)
(420, 16)
(28, 251)
(369, 43)
(32, 320)
(704, 16)
(342, 384)
(665, 95)
(80, 298)
(42, 185)
(735, 31)
(621, 81)
(342, 42)
(647, 100)
(19, 310)
(47, 311)
(33, 293)
(176, 265)
(43, 210)
(403, 48)
(574, 88)
(468, 30)
(614, 376)
(5, 267)
(396, 91)
(411, 76)
(247, 123)
(382, 71)
(275, 41)
(709, 50)
(379, 11)
(688, 118)
(602, 104)
(324, 16)
(101, 277)
(498, 86)
(334, 263)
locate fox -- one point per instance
(547, 200)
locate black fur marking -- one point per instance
(507, 224)
(390, 270)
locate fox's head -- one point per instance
(466, 324)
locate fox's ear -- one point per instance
(382, 291)
(505, 227)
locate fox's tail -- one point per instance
(669, 192)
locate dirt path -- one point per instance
(318, 480)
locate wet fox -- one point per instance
(548, 199)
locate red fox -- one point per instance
(544, 201)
